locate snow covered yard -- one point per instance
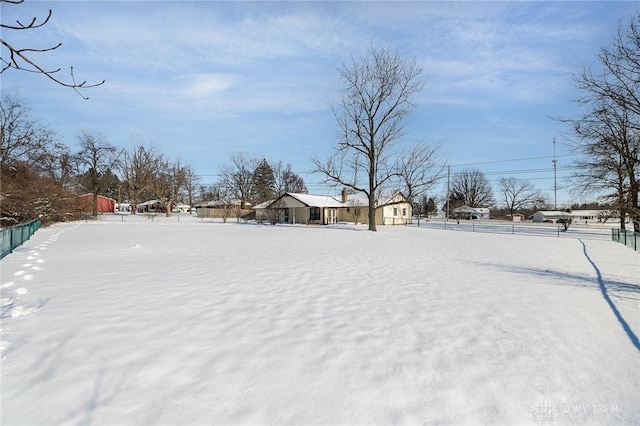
(190, 322)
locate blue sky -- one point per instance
(202, 80)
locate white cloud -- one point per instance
(205, 85)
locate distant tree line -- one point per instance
(41, 176)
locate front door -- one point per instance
(332, 216)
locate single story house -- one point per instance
(151, 206)
(576, 216)
(466, 212)
(392, 209)
(300, 208)
(181, 208)
(322, 209)
(221, 208)
(84, 203)
(123, 207)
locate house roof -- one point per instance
(221, 203)
(315, 200)
(311, 200)
(263, 205)
(361, 199)
(89, 194)
(559, 213)
(149, 203)
(550, 213)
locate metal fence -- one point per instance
(533, 229)
(16, 235)
(628, 238)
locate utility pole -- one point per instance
(448, 178)
(555, 185)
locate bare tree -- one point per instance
(59, 165)
(238, 177)
(518, 193)
(190, 185)
(139, 168)
(209, 192)
(609, 164)
(20, 58)
(609, 131)
(274, 212)
(419, 169)
(22, 138)
(376, 100)
(285, 180)
(470, 188)
(168, 180)
(32, 185)
(97, 159)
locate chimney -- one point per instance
(344, 195)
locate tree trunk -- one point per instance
(372, 212)
(94, 207)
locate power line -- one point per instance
(510, 160)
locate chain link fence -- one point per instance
(533, 229)
(16, 235)
(628, 238)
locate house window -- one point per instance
(314, 213)
(395, 211)
(404, 212)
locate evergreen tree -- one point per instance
(263, 183)
(431, 207)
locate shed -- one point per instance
(84, 203)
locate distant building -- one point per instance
(516, 217)
(466, 212)
(84, 203)
(324, 210)
(576, 216)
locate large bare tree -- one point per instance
(470, 188)
(237, 178)
(190, 185)
(518, 194)
(139, 168)
(168, 181)
(35, 168)
(608, 132)
(285, 180)
(97, 161)
(22, 138)
(376, 99)
(22, 58)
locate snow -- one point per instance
(181, 320)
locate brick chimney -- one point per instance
(344, 195)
